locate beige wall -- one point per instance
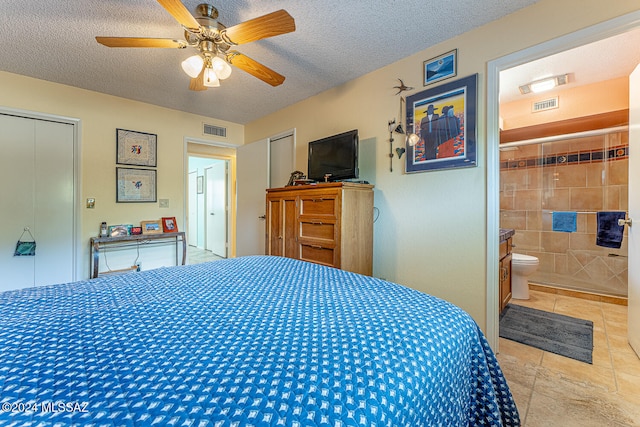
(100, 115)
(430, 234)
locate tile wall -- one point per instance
(585, 175)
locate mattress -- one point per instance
(251, 341)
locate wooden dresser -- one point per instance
(329, 224)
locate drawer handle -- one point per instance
(317, 200)
(316, 222)
(316, 247)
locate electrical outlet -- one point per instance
(164, 203)
(139, 265)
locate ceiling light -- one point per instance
(210, 79)
(193, 65)
(544, 84)
(221, 67)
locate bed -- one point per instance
(250, 341)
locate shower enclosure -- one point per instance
(585, 173)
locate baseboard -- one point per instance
(578, 294)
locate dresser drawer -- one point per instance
(318, 230)
(318, 254)
(318, 206)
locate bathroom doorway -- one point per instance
(496, 92)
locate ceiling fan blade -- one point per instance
(180, 13)
(254, 68)
(140, 42)
(272, 24)
(197, 83)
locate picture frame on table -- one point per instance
(169, 225)
(136, 148)
(151, 227)
(135, 185)
(444, 118)
(119, 230)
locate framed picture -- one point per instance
(445, 120)
(169, 225)
(136, 148)
(151, 227)
(136, 231)
(119, 230)
(200, 184)
(441, 67)
(135, 185)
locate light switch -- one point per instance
(91, 203)
(164, 203)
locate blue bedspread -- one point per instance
(254, 341)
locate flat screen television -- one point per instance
(336, 156)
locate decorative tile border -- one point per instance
(615, 153)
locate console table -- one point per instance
(98, 243)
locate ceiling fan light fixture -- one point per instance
(221, 67)
(210, 79)
(193, 65)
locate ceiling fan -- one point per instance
(214, 41)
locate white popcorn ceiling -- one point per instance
(335, 41)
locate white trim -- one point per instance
(581, 37)
(187, 139)
(77, 173)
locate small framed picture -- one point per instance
(118, 230)
(441, 67)
(200, 184)
(136, 231)
(169, 225)
(151, 227)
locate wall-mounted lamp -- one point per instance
(544, 84)
(411, 138)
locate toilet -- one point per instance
(522, 266)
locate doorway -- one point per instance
(208, 198)
(583, 37)
(210, 192)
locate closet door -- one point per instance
(53, 196)
(17, 145)
(37, 170)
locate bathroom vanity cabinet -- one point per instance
(504, 272)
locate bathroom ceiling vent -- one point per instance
(214, 130)
(547, 104)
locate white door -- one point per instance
(281, 160)
(216, 212)
(252, 179)
(192, 197)
(634, 211)
(37, 169)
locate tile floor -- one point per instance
(552, 390)
(198, 256)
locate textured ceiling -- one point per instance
(335, 41)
